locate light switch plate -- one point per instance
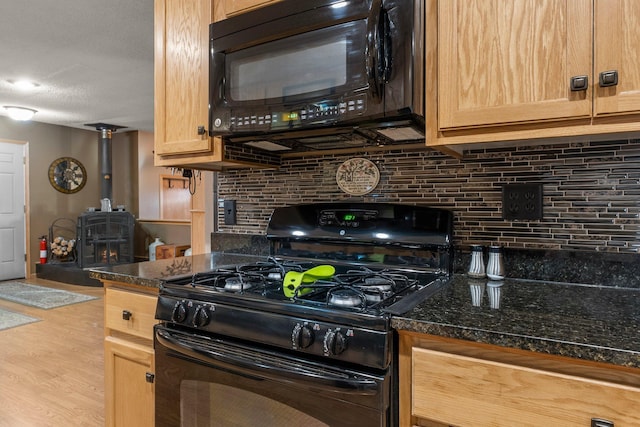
(230, 212)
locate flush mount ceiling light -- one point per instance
(20, 113)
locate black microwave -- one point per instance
(319, 74)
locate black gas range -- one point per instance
(336, 274)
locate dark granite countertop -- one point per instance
(151, 273)
(586, 322)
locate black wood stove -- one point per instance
(105, 238)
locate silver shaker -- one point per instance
(476, 267)
(495, 265)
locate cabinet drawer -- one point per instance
(465, 391)
(130, 312)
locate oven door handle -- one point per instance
(265, 365)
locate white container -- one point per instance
(495, 266)
(152, 248)
(105, 205)
(476, 266)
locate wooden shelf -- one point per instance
(166, 221)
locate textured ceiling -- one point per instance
(92, 60)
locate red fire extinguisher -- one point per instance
(43, 250)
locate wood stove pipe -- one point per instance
(106, 184)
(105, 158)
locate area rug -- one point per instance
(9, 319)
(39, 296)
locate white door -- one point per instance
(12, 211)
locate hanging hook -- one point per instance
(191, 176)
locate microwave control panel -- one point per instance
(277, 120)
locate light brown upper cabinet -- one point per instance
(226, 8)
(181, 80)
(182, 90)
(511, 61)
(617, 48)
(506, 70)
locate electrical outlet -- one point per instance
(522, 201)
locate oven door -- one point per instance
(212, 381)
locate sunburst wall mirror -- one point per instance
(67, 175)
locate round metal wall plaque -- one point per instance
(357, 176)
(67, 175)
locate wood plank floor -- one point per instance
(52, 371)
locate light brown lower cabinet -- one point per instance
(128, 393)
(129, 355)
(452, 383)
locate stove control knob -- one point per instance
(335, 343)
(303, 336)
(201, 317)
(179, 313)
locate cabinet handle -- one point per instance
(126, 314)
(609, 78)
(579, 83)
(149, 377)
(201, 130)
(599, 422)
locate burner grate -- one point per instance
(231, 281)
(359, 290)
(355, 289)
(257, 277)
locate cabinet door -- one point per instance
(505, 61)
(617, 48)
(233, 7)
(181, 76)
(129, 397)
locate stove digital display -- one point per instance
(351, 218)
(290, 116)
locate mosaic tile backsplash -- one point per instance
(591, 192)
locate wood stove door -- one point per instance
(105, 238)
(212, 381)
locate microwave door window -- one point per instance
(293, 73)
(313, 64)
